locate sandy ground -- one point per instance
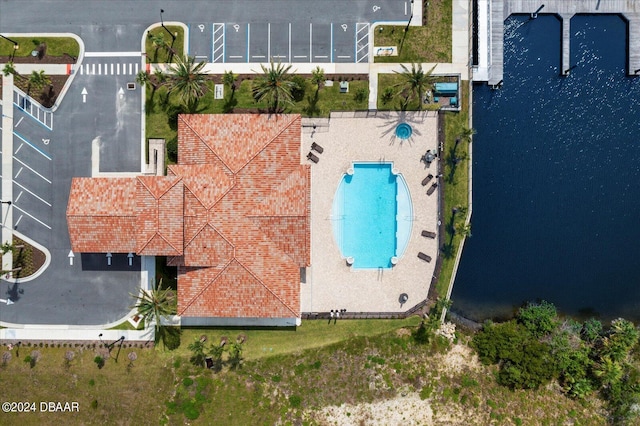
(406, 408)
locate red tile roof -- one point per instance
(96, 209)
(234, 215)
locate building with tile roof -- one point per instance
(233, 215)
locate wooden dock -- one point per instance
(565, 9)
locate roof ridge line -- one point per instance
(270, 141)
(202, 140)
(265, 286)
(179, 178)
(206, 286)
(163, 238)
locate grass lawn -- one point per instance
(456, 192)
(113, 394)
(263, 343)
(161, 55)
(162, 110)
(394, 82)
(428, 43)
(56, 46)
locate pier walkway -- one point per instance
(499, 10)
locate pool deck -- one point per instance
(352, 137)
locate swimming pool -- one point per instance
(371, 215)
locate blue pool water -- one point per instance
(556, 176)
(364, 215)
(404, 131)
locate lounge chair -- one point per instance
(317, 148)
(428, 234)
(432, 188)
(312, 157)
(424, 257)
(427, 179)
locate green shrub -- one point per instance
(94, 404)
(539, 318)
(276, 378)
(425, 392)
(361, 95)
(99, 361)
(190, 410)
(299, 88)
(295, 401)
(387, 95)
(187, 381)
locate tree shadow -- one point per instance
(230, 103)
(312, 109)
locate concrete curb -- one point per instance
(46, 66)
(40, 271)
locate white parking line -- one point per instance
(18, 148)
(289, 41)
(344, 56)
(321, 56)
(17, 221)
(39, 198)
(235, 56)
(299, 56)
(32, 217)
(18, 197)
(269, 39)
(310, 40)
(258, 56)
(32, 171)
(18, 173)
(111, 69)
(19, 121)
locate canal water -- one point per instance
(556, 176)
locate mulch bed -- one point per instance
(48, 95)
(46, 59)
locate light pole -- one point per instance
(173, 37)
(410, 18)
(16, 46)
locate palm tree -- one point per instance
(145, 80)
(317, 77)
(274, 86)
(189, 81)
(466, 133)
(38, 79)
(229, 80)
(154, 304)
(463, 229)
(416, 80)
(9, 69)
(157, 40)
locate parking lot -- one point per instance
(286, 42)
(32, 167)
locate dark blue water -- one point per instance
(556, 177)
